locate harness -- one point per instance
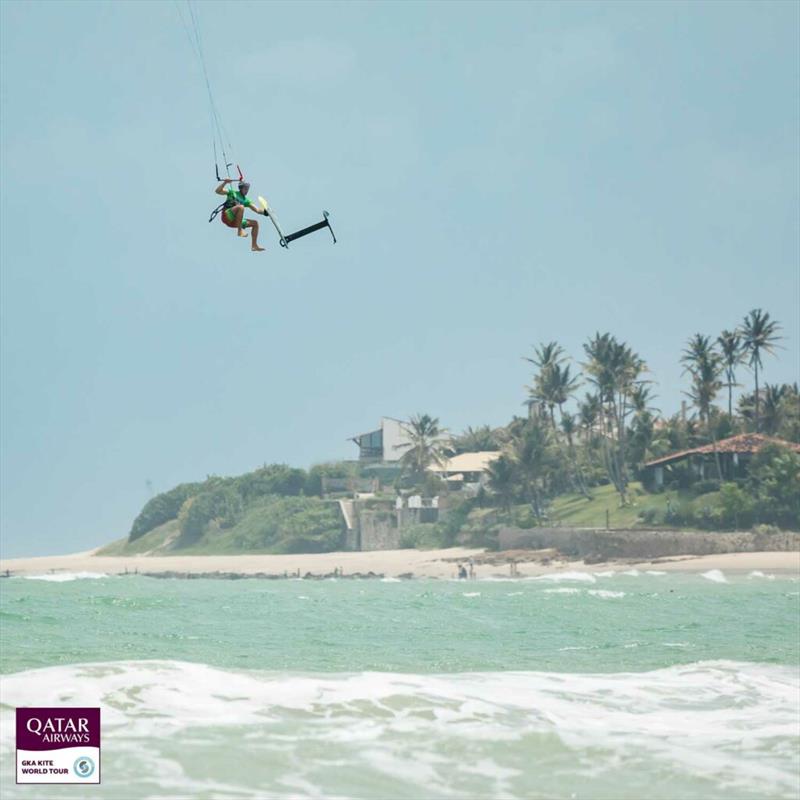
(229, 203)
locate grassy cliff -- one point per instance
(275, 509)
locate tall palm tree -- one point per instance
(553, 385)
(569, 428)
(774, 407)
(730, 345)
(425, 445)
(643, 425)
(615, 371)
(547, 358)
(546, 355)
(759, 335)
(503, 479)
(529, 452)
(561, 385)
(705, 365)
(589, 410)
(475, 440)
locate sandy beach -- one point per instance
(388, 563)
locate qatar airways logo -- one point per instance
(60, 729)
(58, 745)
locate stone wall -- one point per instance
(378, 530)
(598, 545)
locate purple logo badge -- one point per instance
(58, 745)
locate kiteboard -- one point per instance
(284, 239)
(269, 213)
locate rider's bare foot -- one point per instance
(256, 249)
(241, 233)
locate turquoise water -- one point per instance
(622, 685)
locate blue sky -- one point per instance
(498, 174)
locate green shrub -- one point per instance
(679, 514)
(736, 506)
(766, 530)
(453, 519)
(313, 483)
(223, 506)
(680, 476)
(425, 536)
(648, 515)
(705, 487)
(161, 508)
(707, 517)
(289, 525)
(774, 480)
(273, 479)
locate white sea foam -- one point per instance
(391, 580)
(559, 577)
(757, 573)
(609, 573)
(562, 590)
(724, 724)
(654, 572)
(714, 575)
(471, 594)
(633, 573)
(63, 577)
(605, 593)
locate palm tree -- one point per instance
(615, 371)
(561, 386)
(790, 423)
(553, 385)
(705, 365)
(759, 334)
(426, 445)
(529, 452)
(589, 410)
(643, 425)
(774, 407)
(503, 480)
(547, 358)
(475, 440)
(730, 345)
(569, 428)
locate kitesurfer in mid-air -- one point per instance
(233, 211)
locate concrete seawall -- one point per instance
(600, 545)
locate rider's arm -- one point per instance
(221, 188)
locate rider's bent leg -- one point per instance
(254, 235)
(238, 216)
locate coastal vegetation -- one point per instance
(274, 509)
(573, 460)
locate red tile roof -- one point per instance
(743, 443)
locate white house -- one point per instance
(383, 444)
(466, 467)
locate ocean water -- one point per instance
(602, 685)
